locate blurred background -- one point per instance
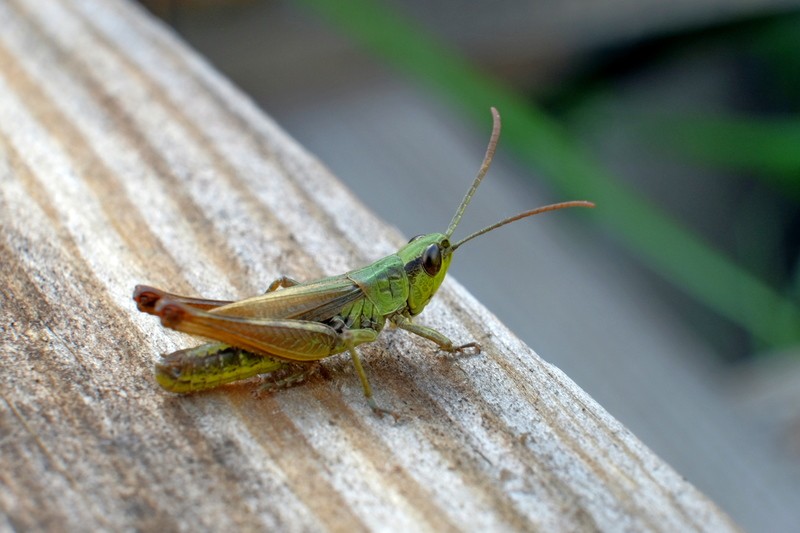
(675, 303)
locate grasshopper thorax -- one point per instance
(426, 259)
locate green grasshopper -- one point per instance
(285, 333)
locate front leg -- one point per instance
(431, 334)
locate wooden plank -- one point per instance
(125, 160)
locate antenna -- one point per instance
(487, 161)
(509, 220)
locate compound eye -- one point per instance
(432, 259)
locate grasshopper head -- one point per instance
(426, 259)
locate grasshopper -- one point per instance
(285, 332)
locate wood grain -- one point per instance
(125, 159)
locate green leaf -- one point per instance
(769, 148)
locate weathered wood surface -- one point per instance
(125, 159)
